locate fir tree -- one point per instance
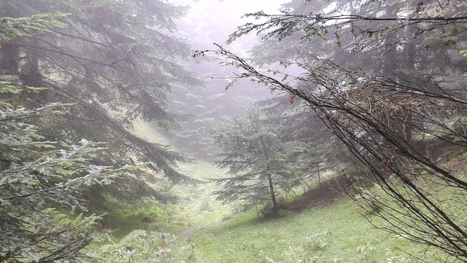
(40, 183)
(115, 61)
(263, 164)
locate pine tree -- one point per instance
(115, 61)
(304, 129)
(40, 183)
(263, 164)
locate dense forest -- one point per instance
(111, 109)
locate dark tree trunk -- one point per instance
(271, 189)
(10, 55)
(9, 50)
(30, 74)
(271, 185)
(409, 53)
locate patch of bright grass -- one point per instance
(335, 233)
(211, 233)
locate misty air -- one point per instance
(233, 131)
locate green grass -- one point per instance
(204, 230)
(331, 233)
(148, 132)
(335, 233)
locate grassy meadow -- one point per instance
(321, 227)
(334, 232)
(205, 230)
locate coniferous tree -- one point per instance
(36, 176)
(304, 129)
(262, 162)
(40, 183)
(115, 61)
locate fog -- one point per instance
(374, 111)
(214, 20)
(208, 22)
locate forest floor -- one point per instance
(321, 224)
(324, 194)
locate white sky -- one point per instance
(219, 18)
(212, 21)
(233, 7)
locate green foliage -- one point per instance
(263, 164)
(334, 233)
(36, 176)
(393, 107)
(110, 63)
(144, 213)
(317, 241)
(114, 60)
(138, 246)
(11, 28)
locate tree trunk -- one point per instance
(271, 190)
(409, 52)
(30, 73)
(271, 185)
(10, 54)
(9, 51)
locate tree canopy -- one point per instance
(115, 60)
(275, 149)
(35, 175)
(80, 71)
